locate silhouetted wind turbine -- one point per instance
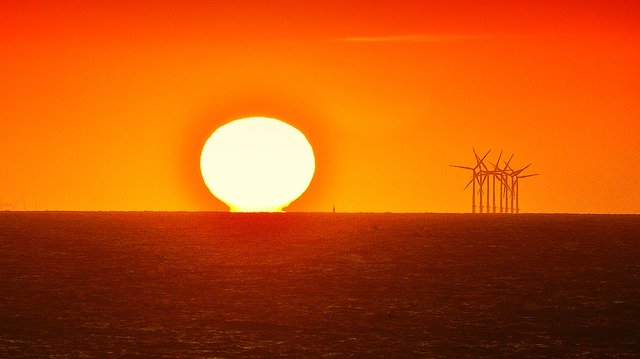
(518, 177)
(495, 174)
(473, 180)
(515, 195)
(482, 176)
(476, 176)
(509, 188)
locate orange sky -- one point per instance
(106, 106)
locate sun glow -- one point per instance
(257, 164)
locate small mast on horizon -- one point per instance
(485, 177)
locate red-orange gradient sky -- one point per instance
(105, 105)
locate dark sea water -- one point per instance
(318, 285)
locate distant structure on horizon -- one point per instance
(484, 180)
(11, 206)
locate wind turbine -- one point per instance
(482, 176)
(473, 180)
(515, 194)
(518, 177)
(476, 176)
(509, 189)
(495, 174)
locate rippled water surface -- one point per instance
(312, 285)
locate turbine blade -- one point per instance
(535, 174)
(485, 156)
(465, 167)
(465, 187)
(498, 161)
(522, 169)
(503, 181)
(506, 165)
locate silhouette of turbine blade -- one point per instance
(465, 187)
(535, 174)
(485, 156)
(495, 167)
(522, 169)
(481, 161)
(465, 167)
(506, 164)
(503, 181)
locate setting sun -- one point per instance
(257, 164)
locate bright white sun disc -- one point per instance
(257, 164)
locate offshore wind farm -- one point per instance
(484, 179)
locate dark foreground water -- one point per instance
(313, 285)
